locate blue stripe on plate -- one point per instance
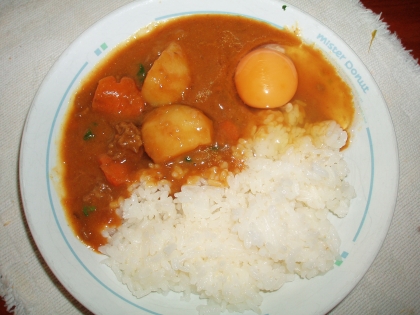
(372, 174)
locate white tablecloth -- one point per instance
(33, 34)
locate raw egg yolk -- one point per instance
(266, 78)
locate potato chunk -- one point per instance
(172, 130)
(168, 78)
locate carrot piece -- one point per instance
(121, 99)
(116, 173)
(229, 131)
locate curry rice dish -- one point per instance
(204, 157)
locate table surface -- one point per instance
(403, 18)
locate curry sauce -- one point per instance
(213, 46)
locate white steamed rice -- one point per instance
(228, 244)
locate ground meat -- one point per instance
(100, 191)
(127, 137)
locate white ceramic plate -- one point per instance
(372, 158)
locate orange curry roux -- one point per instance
(213, 44)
